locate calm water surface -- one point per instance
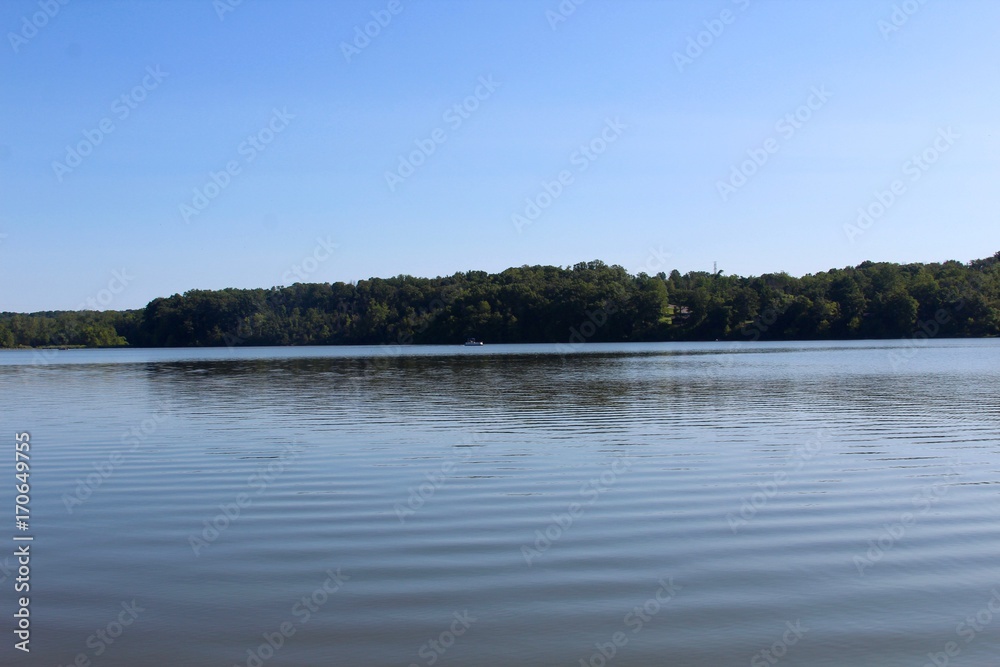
(634, 505)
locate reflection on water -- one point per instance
(654, 504)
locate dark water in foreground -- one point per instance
(667, 504)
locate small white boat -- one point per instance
(472, 341)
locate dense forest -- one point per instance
(589, 302)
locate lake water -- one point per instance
(629, 505)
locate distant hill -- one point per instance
(589, 302)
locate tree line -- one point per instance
(588, 302)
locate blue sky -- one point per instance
(633, 140)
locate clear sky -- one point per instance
(747, 132)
